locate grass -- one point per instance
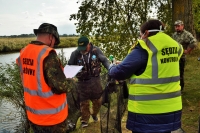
(16, 44)
(191, 93)
(190, 98)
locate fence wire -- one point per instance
(113, 106)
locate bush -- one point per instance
(12, 91)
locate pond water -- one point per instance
(11, 57)
(9, 117)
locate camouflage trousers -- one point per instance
(58, 128)
(85, 109)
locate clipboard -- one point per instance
(70, 71)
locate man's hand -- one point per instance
(186, 52)
(118, 62)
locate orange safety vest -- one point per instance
(43, 107)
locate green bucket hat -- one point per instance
(48, 28)
(82, 43)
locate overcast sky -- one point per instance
(22, 16)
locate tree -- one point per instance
(164, 13)
(196, 12)
(182, 10)
(113, 24)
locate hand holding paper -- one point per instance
(70, 71)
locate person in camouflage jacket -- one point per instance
(187, 40)
(89, 83)
(54, 77)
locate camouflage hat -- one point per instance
(82, 43)
(178, 22)
(48, 28)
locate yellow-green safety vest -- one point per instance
(157, 89)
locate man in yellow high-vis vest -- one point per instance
(155, 103)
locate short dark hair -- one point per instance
(152, 25)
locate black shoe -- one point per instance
(95, 118)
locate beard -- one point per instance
(178, 31)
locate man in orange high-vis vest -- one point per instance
(44, 82)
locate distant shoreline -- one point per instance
(15, 44)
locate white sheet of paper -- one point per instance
(70, 71)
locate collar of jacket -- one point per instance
(37, 42)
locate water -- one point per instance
(11, 57)
(9, 115)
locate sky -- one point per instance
(22, 16)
